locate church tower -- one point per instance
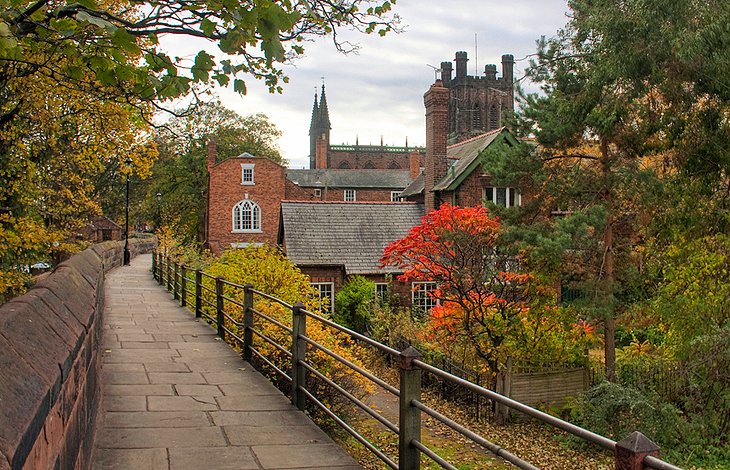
(477, 104)
(319, 129)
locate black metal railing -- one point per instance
(245, 334)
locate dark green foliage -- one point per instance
(354, 304)
(615, 411)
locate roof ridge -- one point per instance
(480, 136)
(351, 203)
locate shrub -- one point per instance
(354, 304)
(616, 411)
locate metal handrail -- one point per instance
(352, 366)
(164, 275)
(272, 298)
(490, 446)
(272, 320)
(271, 342)
(570, 428)
(355, 334)
(269, 363)
(360, 404)
(378, 453)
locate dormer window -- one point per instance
(247, 174)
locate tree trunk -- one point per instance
(609, 340)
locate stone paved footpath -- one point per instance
(175, 397)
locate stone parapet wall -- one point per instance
(50, 340)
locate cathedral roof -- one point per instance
(346, 234)
(330, 178)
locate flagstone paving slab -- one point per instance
(176, 397)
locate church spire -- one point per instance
(315, 114)
(324, 113)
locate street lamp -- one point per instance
(159, 212)
(128, 167)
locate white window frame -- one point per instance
(239, 217)
(350, 195)
(318, 286)
(395, 196)
(489, 194)
(317, 193)
(424, 303)
(247, 169)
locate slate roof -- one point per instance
(416, 187)
(467, 153)
(385, 179)
(352, 235)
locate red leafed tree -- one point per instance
(482, 299)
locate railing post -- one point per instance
(154, 265)
(169, 276)
(198, 293)
(631, 451)
(409, 417)
(160, 264)
(183, 285)
(219, 307)
(298, 351)
(247, 321)
(175, 283)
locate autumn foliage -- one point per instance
(488, 307)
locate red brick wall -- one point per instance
(226, 191)
(469, 193)
(359, 159)
(50, 394)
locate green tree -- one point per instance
(624, 97)
(354, 303)
(180, 174)
(115, 43)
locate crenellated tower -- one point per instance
(477, 104)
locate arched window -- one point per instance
(493, 117)
(246, 217)
(344, 165)
(476, 118)
(393, 165)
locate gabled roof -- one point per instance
(352, 235)
(468, 153)
(416, 187)
(385, 179)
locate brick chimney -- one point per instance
(436, 100)
(414, 161)
(212, 152)
(321, 152)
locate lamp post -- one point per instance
(159, 211)
(128, 167)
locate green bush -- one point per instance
(615, 411)
(354, 304)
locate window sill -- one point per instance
(248, 183)
(247, 231)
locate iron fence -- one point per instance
(247, 336)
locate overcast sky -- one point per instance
(379, 91)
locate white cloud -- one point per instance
(379, 92)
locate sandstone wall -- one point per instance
(50, 340)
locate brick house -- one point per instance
(330, 241)
(244, 199)
(335, 219)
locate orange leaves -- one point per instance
(446, 238)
